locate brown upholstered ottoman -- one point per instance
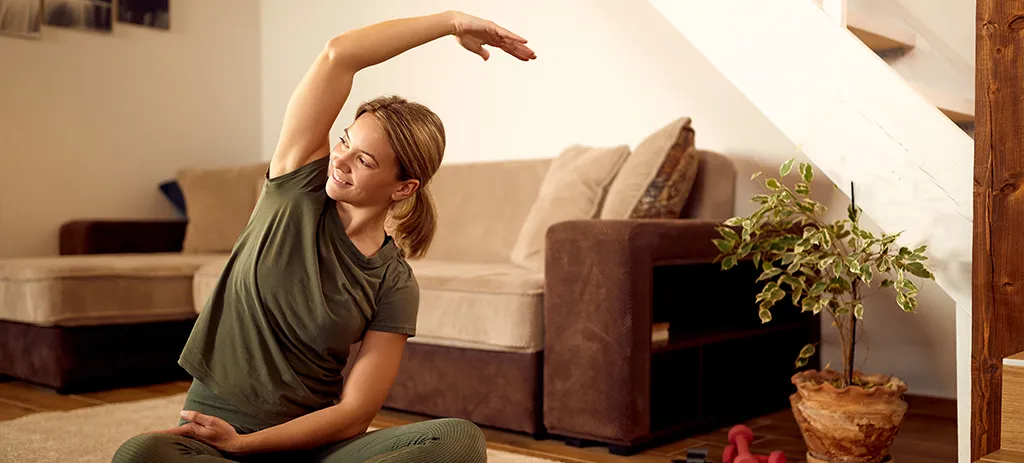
(88, 322)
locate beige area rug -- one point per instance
(91, 435)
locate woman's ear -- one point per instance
(405, 190)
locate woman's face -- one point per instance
(364, 169)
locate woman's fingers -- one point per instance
(182, 430)
(508, 34)
(199, 418)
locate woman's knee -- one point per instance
(143, 447)
(462, 440)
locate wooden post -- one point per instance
(998, 262)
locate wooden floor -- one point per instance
(928, 435)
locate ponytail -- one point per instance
(414, 223)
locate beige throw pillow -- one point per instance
(574, 188)
(220, 201)
(656, 179)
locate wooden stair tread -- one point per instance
(878, 35)
(1003, 456)
(1015, 360)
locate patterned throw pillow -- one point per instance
(667, 193)
(657, 177)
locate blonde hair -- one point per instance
(417, 137)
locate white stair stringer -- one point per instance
(856, 120)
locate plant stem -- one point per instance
(853, 316)
(853, 335)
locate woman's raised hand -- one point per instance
(473, 33)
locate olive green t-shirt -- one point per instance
(274, 335)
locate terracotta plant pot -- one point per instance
(855, 424)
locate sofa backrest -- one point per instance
(714, 190)
(482, 206)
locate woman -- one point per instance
(315, 271)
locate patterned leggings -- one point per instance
(440, 440)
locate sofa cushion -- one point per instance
(481, 207)
(485, 306)
(100, 289)
(574, 188)
(220, 201)
(656, 179)
(205, 281)
(495, 307)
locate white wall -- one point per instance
(91, 123)
(607, 72)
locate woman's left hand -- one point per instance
(473, 33)
(209, 430)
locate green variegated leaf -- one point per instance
(757, 259)
(806, 171)
(800, 363)
(921, 249)
(802, 189)
(777, 295)
(765, 314)
(808, 304)
(858, 310)
(866, 274)
(734, 222)
(745, 249)
(818, 288)
(824, 263)
(807, 351)
(796, 295)
(770, 273)
(793, 267)
(762, 199)
(772, 183)
(756, 175)
(786, 167)
(723, 245)
(904, 302)
(728, 262)
(918, 270)
(886, 283)
(728, 234)
(855, 267)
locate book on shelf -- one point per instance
(659, 333)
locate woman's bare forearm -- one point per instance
(374, 44)
(333, 424)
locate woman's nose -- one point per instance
(342, 161)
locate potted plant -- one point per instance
(825, 267)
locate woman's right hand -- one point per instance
(473, 33)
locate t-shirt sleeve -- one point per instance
(399, 304)
(310, 178)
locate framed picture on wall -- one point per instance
(21, 18)
(151, 13)
(94, 15)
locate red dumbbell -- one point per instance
(740, 438)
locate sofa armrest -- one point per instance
(121, 236)
(606, 282)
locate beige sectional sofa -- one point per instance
(117, 307)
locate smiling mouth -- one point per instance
(336, 176)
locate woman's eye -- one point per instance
(363, 161)
(344, 141)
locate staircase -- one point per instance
(882, 26)
(831, 76)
